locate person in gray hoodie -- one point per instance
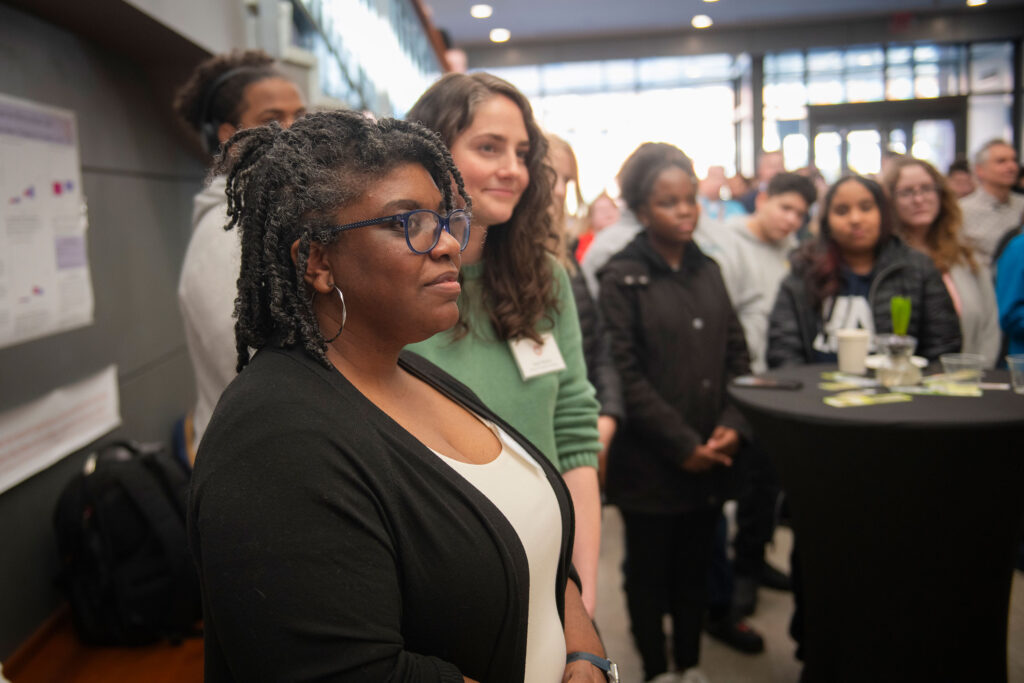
(225, 93)
(753, 254)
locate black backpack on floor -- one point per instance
(125, 563)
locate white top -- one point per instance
(979, 315)
(518, 487)
(206, 295)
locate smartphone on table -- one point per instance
(755, 382)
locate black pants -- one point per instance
(755, 512)
(669, 556)
(721, 578)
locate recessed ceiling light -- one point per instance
(481, 11)
(701, 21)
(976, 3)
(710, 0)
(500, 35)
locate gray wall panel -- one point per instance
(217, 26)
(114, 96)
(27, 594)
(139, 174)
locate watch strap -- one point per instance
(611, 671)
(601, 663)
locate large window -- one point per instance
(605, 109)
(796, 79)
(703, 104)
(372, 55)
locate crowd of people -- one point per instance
(417, 375)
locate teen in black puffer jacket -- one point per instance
(676, 342)
(844, 271)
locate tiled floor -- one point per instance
(724, 665)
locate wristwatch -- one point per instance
(610, 669)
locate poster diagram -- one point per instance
(45, 285)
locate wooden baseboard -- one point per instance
(54, 653)
(27, 650)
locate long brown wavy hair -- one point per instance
(943, 237)
(518, 284)
(562, 223)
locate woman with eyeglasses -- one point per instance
(517, 343)
(928, 218)
(356, 513)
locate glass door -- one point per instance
(855, 138)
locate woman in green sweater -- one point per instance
(517, 343)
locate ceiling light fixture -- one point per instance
(976, 3)
(710, 0)
(481, 11)
(500, 35)
(701, 21)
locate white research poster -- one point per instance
(36, 435)
(45, 285)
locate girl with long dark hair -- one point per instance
(847, 278)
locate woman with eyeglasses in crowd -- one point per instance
(517, 343)
(356, 513)
(928, 218)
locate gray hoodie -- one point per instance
(206, 296)
(752, 270)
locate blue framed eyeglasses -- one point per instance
(422, 227)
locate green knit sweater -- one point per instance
(556, 411)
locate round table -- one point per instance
(907, 519)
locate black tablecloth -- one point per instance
(907, 518)
(994, 409)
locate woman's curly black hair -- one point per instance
(225, 105)
(287, 185)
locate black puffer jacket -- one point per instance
(899, 271)
(676, 343)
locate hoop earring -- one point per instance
(344, 313)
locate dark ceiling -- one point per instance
(532, 21)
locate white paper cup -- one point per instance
(853, 351)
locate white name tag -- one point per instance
(536, 359)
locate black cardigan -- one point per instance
(676, 343)
(333, 545)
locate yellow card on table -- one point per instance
(851, 399)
